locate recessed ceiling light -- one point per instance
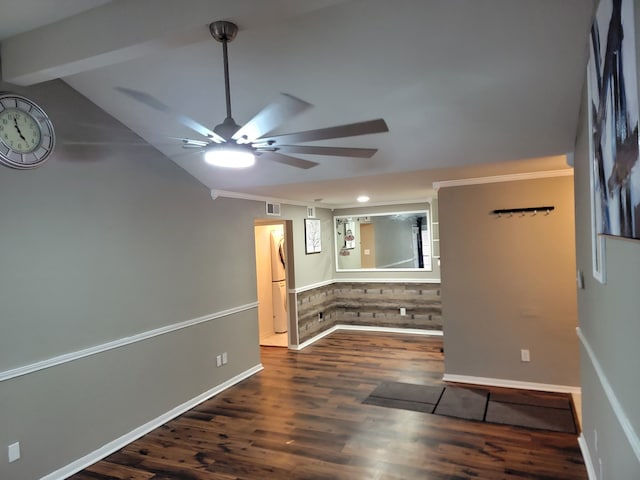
(363, 198)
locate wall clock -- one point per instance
(27, 137)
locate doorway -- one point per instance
(272, 284)
(367, 245)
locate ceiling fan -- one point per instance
(232, 145)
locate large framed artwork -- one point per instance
(312, 235)
(613, 123)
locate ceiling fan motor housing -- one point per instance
(227, 128)
(223, 30)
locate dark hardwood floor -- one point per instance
(303, 418)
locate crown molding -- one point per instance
(503, 178)
(259, 198)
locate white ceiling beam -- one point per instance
(87, 41)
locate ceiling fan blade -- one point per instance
(110, 143)
(191, 142)
(333, 151)
(270, 117)
(340, 131)
(287, 160)
(156, 104)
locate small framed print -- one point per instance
(312, 235)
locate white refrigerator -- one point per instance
(278, 283)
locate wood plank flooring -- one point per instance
(303, 418)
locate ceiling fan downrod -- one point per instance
(224, 32)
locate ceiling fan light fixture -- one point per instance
(229, 157)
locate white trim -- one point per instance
(127, 438)
(368, 328)
(388, 280)
(427, 199)
(259, 198)
(311, 286)
(503, 178)
(330, 206)
(314, 339)
(121, 342)
(623, 419)
(500, 382)
(586, 456)
(364, 280)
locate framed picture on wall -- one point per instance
(312, 235)
(613, 127)
(597, 241)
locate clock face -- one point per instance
(27, 137)
(19, 130)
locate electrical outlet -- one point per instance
(524, 355)
(13, 451)
(403, 311)
(218, 360)
(224, 358)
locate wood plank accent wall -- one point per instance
(371, 304)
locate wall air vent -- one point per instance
(273, 209)
(311, 212)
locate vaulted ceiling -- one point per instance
(467, 87)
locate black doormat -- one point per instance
(537, 410)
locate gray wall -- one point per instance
(98, 245)
(509, 283)
(610, 328)
(317, 267)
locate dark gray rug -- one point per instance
(530, 416)
(537, 410)
(407, 396)
(462, 403)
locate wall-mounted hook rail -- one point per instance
(534, 210)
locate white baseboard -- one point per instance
(586, 455)
(136, 433)
(315, 339)
(499, 382)
(368, 328)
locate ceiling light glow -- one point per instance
(363, 198)
(229, 157)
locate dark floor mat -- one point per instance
(401, 404)
(537, 410)
(462, 403)
(538, 399)
(406, 396)
(409, 392)
(545, 418)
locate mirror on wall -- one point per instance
(384, 241)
